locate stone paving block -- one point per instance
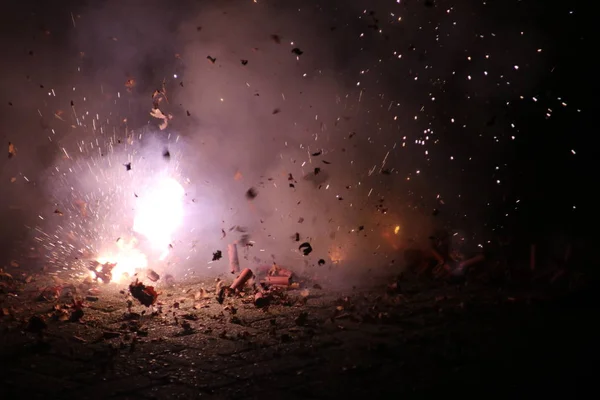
(405, 345)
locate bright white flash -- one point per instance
(160, 212)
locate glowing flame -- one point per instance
(128, 260)
(159, 213)
(396, 229)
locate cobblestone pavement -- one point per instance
(425, 340)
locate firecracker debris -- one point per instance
(304, 341)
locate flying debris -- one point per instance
(58, 114)
(158, 96)
(251, 193)
(211, 59)
(102, 271)
(167, 154)
(156, 113)
(244, 62)
(152, 275)
(297, 51)
(130, 84)
(127, 166)
(11, 150)
(245, 241)
(305, 248)
(146, 295)
(276, 39)
(292, 181)
(217, 255)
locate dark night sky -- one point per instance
(480, 83)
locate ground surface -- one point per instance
(425, 339)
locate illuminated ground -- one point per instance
(429, 339)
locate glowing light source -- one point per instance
(128, 260)
(160, 213)
(397, 229)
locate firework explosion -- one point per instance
(410, 114)
(119, 202)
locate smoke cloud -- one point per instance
(347, 121)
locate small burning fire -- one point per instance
(127, 260)
(159, 213)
